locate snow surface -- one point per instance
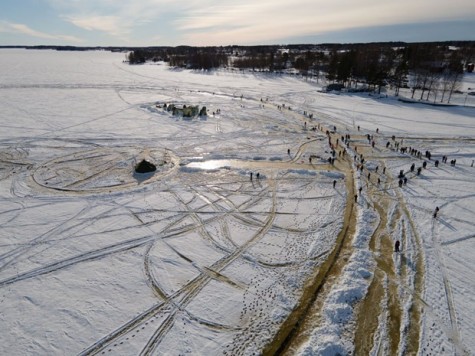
(198, 258)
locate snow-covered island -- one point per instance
(269, 224)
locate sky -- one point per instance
(231, 22)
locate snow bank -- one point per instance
(332, 337)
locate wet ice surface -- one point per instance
(197, 258)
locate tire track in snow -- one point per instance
(91, 255)
(302, 319)
(204, 278)
(12, 255)
(84, 257)
(190, 290)
(455, 334)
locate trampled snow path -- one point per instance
(198, 258)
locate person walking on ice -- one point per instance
(396, 246)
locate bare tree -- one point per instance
(424, 80)
(455, 84)
(400, 76)
(432, 81)
(452, 76)
(332, 67)
(417, 80)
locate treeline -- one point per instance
(182, 56)
(198, 58)
(429, 69)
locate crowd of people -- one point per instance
(339, 146)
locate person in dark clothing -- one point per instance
(396, 246)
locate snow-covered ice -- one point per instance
(199, 258)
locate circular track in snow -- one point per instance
(103, 169)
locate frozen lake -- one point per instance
(244, 229)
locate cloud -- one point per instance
(270, 20)
(208, 22)
(24, 29)
(110, 24)
(116, 18)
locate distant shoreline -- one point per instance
(300, 46)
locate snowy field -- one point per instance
(200, 258)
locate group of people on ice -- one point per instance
(345, 141)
